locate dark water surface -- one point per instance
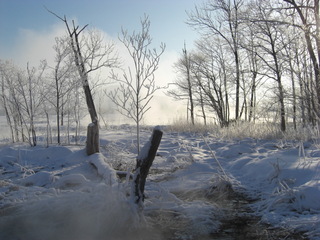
(237, 223)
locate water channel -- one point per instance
(238, 222)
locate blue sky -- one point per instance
(167, 18)
(28, 31)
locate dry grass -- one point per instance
(243, 130)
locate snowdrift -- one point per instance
(60, 193)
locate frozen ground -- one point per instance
(199, 187)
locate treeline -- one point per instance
(31, 96)
(253, 60)
(68, 89)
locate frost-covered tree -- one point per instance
(308, 13)
(184, 83)
(210, 68)
(137, 84)
(22, 99)
(88, 57)
(222, 18)
(270, 49)
(60, 80)
(6, 70)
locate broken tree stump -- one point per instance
(144, 162)
(92, 138)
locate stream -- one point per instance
(237, 221)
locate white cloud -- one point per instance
(165, 110)
(33, 46)
(166, 74)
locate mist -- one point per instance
(33, 46)
(96, 214)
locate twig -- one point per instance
(215, 158)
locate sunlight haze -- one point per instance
(28, 31)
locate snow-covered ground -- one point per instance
(195, 184)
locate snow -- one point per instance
(144, 151)
(103, 168)
(60, 193)
(40, 179)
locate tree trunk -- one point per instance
(189, 88)
(144, 162)
(252, 97)
(48, 128)
(187, 66)
(202, 108)
(282, 109)
(314, 51)
(237, 109)
(58, 122)
(33, 140)
(92, 138)
(62, 113)
(79, 61)
(294, 97)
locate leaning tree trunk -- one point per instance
(92, 139)
(144, 162)
(93, 142)
(93, 128)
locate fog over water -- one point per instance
(100, 213)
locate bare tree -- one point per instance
(309, 14)
(21, 94)
(210, 68)
(184, 83)
(30, 107)
(269, 45)
(88, 58)
(221, 18)
(5, 100)
(253, 69)
(137, 84)
(10, 79)
(61, 76)
(292, 44)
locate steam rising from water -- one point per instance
(93, 215)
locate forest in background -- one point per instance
(254, 61)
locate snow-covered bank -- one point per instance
(285, 180)
(60, 193)
(56, 193)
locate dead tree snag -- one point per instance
(144, 162)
